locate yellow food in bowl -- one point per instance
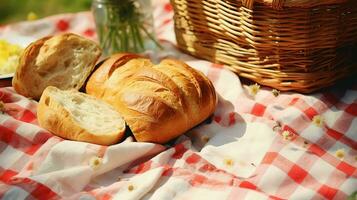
(9, 57)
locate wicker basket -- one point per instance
(300, 45)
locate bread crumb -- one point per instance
(318, 120)
(340, 153)
(254, 89)
(95, 162)
(130, 188)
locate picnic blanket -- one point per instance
(259, 144)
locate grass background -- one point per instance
(17, 10)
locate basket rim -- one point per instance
(279, 4)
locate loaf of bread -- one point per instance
(64, 61)
(77, 116)
(158, 102)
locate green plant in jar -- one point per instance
(124, 25)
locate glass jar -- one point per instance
(124, 25)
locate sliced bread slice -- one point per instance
(77, 116)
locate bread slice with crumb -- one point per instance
(64, 61)
(77, 116)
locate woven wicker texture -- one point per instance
(292, 3)
(289, 48)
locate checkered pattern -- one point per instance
(255, 147)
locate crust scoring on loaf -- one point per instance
(158, 102)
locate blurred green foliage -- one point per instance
(17, 10)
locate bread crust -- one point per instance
(158, 102)
(21, 74)
(55, 118)
(95, 85)
(31, 78)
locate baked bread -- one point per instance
(64, 61)
(106, 69)
(158, 102)
(77, 116)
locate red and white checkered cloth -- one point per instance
(292, 146)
